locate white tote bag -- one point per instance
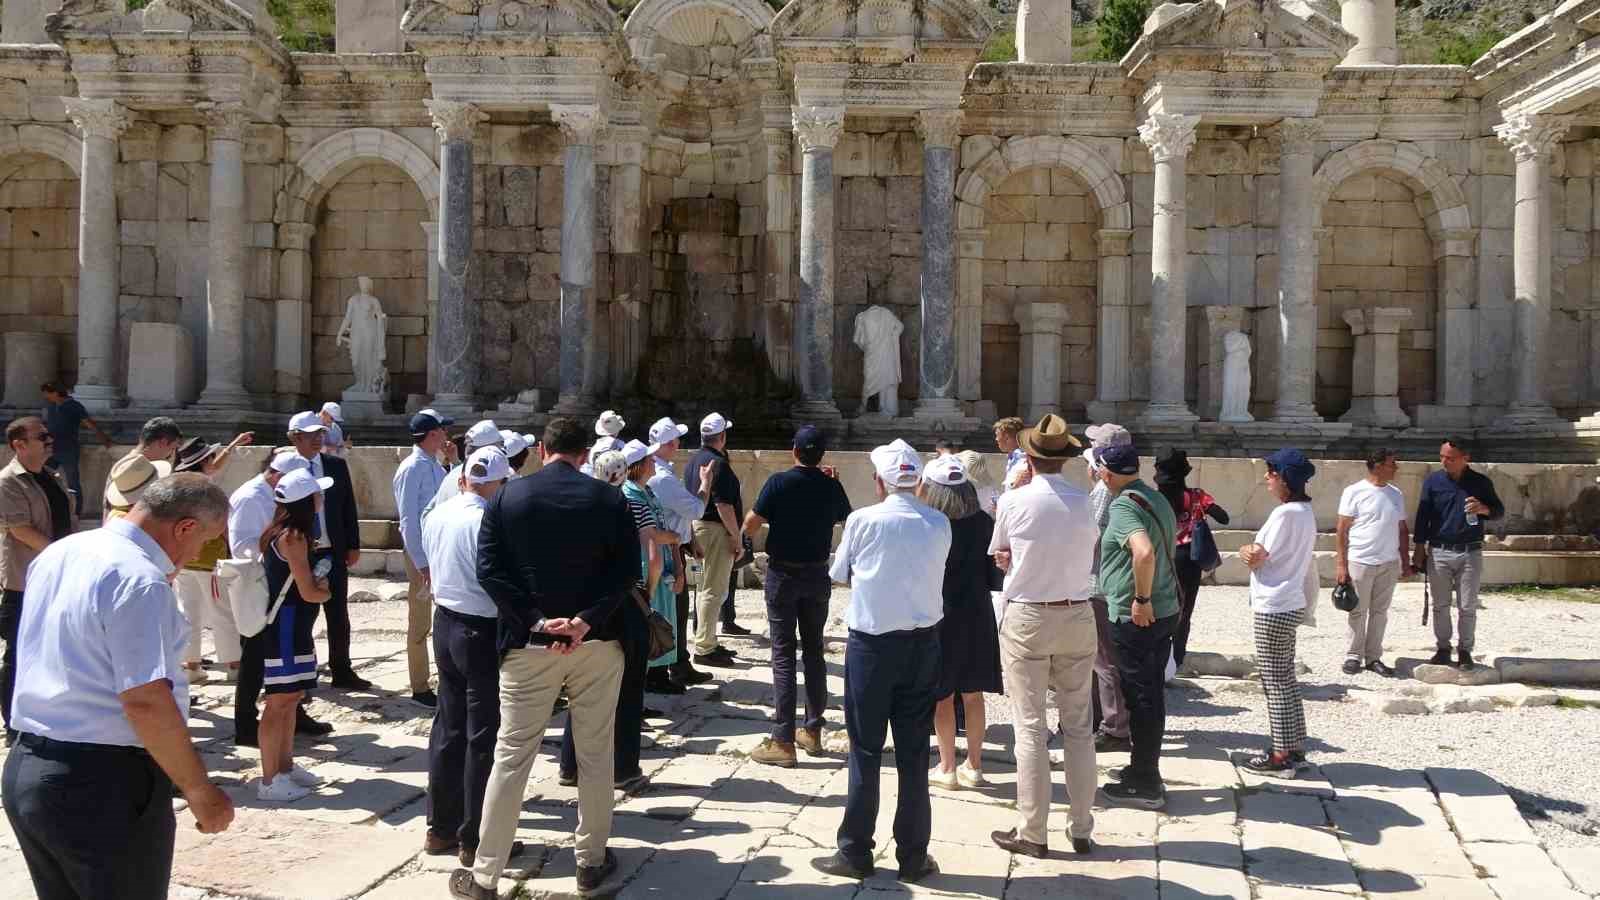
(244, 581)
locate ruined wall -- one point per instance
(39, 265)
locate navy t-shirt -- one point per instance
(64, 419)
(724, 484)
(801, 507)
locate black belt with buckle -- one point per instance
(1467, 547)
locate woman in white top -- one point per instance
(1281, 564)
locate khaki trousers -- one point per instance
(1044, 647)
(1374, 592)
(530, 680)
(419, 624)
(719, 553)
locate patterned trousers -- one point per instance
(1275, 639)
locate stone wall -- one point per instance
(39, 265)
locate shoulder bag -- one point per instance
(662, 639)
(244, 581)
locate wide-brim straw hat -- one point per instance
(1049, 439)
(131, 476)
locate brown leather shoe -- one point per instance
(774, 753)
(1008, 841)
(809, 740)
(434, 845)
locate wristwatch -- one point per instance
(1137, 599)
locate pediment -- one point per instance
(519, 18)
(1244, 26)
(159, 17)
(865, 20)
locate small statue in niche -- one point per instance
(365, 329)
(1236, 378)
(878, 336)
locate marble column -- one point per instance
(777, 298)
(1044, 31)
(936, 383)
(224, 388)
(1170, 138)
(1113, 354)
(431, 231)
(1297, 275)
(292, 315)
(1039, 326)
(818, 128)
(1372, 23)
(1531, 139)
(1375, 378)
(101, 122)
(579, 126)
(453, 357)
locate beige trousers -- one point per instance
(419, 624)
(719, 554)
(530, 680)
(194, 596)
(1043, 647)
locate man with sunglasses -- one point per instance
(35, 509)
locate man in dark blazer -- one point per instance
(339, 524)
(558, 553)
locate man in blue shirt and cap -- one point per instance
(1455, 502)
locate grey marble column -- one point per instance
(1531, 139)
(1170, 138)
(101, 122)
(936, 384)
(224, 387)
(818, 129)
(579, 125)
(453, 356)
(1297, 275)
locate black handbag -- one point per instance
(1203, 547)
(1345, 598)
(662, 639)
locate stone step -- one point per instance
(1230, 539)
(1500, 567)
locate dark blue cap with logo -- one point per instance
(810, 437)
(1119, 459)
(427, 420)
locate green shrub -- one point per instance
(1120, 24)
(1464, 49)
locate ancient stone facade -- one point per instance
(689, 208)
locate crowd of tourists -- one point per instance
(570, 586)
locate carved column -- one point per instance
(1531, 139)
(818, 128)
(1039, 358)
(1116, 328)
(936, 385)
(579, 126)
(453, 357)
(292, 316)
(1375, 379)
(1297, 275)
(778, 251)
(101, 122)
(224, 388)
(1170, 138)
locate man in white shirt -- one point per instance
(679, 509)
(1044, 537)
(892, 555)
(461, 746)
(483, 434)
(417, 480)
(251, 506)
(1374, 554)
(102, 704)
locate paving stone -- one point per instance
(1479, 809)
(1104, 876)
(1394, 884)
(1310, 782)
(1127, 823)
(1521, 870)
(1298, 856)
(558, 880)
(1281, 892)
(1379, 833)
(1582, 865)
(964, 871)
(329, 862)
(1269, 807)
(1367, 777)
(1217, 807)
(1191, 881)
(1201, 843)
(755, 787)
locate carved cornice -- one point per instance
(939, 127)
(454, 121)
(580, 125)
(1169, 136)
(1296, 136)
(818, 127)
(225, 121)
(1532, 136)
(97, 118)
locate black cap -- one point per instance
(810, 437)
(427, 420)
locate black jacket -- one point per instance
(554, 545)
(339, 508)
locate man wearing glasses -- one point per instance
(35, 509)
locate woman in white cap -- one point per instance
(301, 574)
(517, 447)
(606, 444)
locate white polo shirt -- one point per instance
(98, 618)
(450, 539)
(250, 511)
(1049, 527)
(892, 555)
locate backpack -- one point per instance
(244, 582)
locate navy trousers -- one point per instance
(1142, 654)
(797, 597)
(461, 746)
(890, 682)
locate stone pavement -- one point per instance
(711, 824)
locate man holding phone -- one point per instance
(717, 534)
(1455, 502)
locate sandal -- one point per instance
(1277, 762)
(464, 887)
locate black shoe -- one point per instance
(566, 780)
(469, 855)
(1441, 657)
(734, 629)
(350, 681)
(648, 712)
(1136, 794)
(718, 659)
(1464, 659)
(1273, 764)
(304, 724)
(918, 870)
(631, 783)
(1351, 667)
(1009, 842)
(840, 866)
(1377, 667)
(688, 676)
(425, 698)
(1110, 743)
(1082, 846)
(464, 887)
(591, 877)
(434, 845)
(246, 739)
(663, 684)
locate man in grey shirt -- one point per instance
(1112, 735)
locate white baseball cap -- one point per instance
(946, 470)
(714, 424)
(305, 423)
(332, 409)
(484, 434)
(897, 464)
(610, 466)
(604, 444)
(513, 442)
(665, 430)
(609, 423)
(1107, 435)
(491, 462)
(298, 485)
(288, 461)
(637, 450)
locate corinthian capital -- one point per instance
(939, 127)
(1295, 136)
(1169, 136)
(97, 118)
(580, 125)
(453, 120)
(818, 127)
(1531, 136)
(225, 121)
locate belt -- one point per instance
(787, 564)
(1467, 547)
(466, 617)
(904, 633)
(47, 746)
(1068, 602)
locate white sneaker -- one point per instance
(304, 777)
(280, 790)
(949, 781)
(970, 777)
(197, 675)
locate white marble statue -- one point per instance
(878, 336)
(1236, 378)
(364, 329)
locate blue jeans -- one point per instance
(890, 681)
(797, 597)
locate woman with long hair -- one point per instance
(1190, 505)
(290, 653)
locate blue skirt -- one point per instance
(291, 662)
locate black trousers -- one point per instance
(92, 821)
(797, 597)
(247, 690)
(10, 621)
(683, 665)
(1189, 575)
(890, 682)
(630, 698)
(337, 609)
(727, 602)
(1142, 662)
(461, 746)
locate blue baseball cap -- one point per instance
(810, 437)
(427, 420)
(1118, 459)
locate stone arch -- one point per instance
(45, 141)
(1052, 151)
(324, 164)
(648, 18)
(1426, 176)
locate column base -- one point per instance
(1523, 414)
(1167, 413)
(575, 405)
(361, 405)
(99, 397)
(230, 397)
(815, 409)
(1380, 412)
(1436, 416)
(455, 405)
(1295, 412)
(938, 408)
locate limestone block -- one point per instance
(1219, 157)
(904, 212)
(1202, 194)
(31, 359)
(161, 370)
(1496, 202)
(138, 270)
(183, 143)
(1581, 864)
(852, 155)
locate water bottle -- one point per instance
(322, 568)
(1472, 517)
